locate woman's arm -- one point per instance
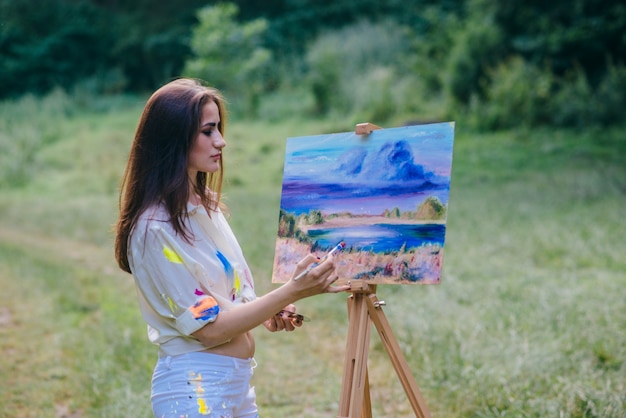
(247, 316)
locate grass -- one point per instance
(528, 321)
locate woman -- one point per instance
(195, 289)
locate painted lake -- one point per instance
(380, 238)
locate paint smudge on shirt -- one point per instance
(232, 275)
(228, 268)
(237, 284)
(172, 305)
(205, 309)
(171, 255)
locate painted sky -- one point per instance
(397, 167)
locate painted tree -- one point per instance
(431, 209)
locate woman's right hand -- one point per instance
(319, 279)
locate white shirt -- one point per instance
(176, 279)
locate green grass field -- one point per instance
(529, 320)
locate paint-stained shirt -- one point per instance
(182, 285)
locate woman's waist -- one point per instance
(241, 347)
(201, 362)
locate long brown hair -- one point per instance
(156, 172)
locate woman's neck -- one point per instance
(194, 198)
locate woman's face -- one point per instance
(206, 152)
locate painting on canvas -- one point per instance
(382, 196)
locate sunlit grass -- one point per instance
(528, 321)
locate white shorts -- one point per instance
(203, 385)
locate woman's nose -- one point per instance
(220, 142)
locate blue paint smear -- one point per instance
(228, 268)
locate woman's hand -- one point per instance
(286, 320)
(318, 279)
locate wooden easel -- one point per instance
(363, 309)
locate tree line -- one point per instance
(554, 63)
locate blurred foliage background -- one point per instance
(496, 64)
(529, 320)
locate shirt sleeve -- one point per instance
(166, 275)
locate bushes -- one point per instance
(229, 55)
(520, 64)
(383, 71)
(477, 47)
(362, 70)
(578, 104)
(500, 63)
(518, 93)
(610, 96)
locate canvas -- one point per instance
(382, 197)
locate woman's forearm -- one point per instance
(248, 316)
(244, 317)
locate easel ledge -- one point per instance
(363, 309)
(365, 128)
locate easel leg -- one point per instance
(355, 380)
(367, 400)
(397, 358)
(364, 308)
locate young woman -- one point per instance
(195, 290)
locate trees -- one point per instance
(58, 43)
(48, 44)
(229, 55)
(531, 62)
(427, 59)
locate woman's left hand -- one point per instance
(286, 320)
